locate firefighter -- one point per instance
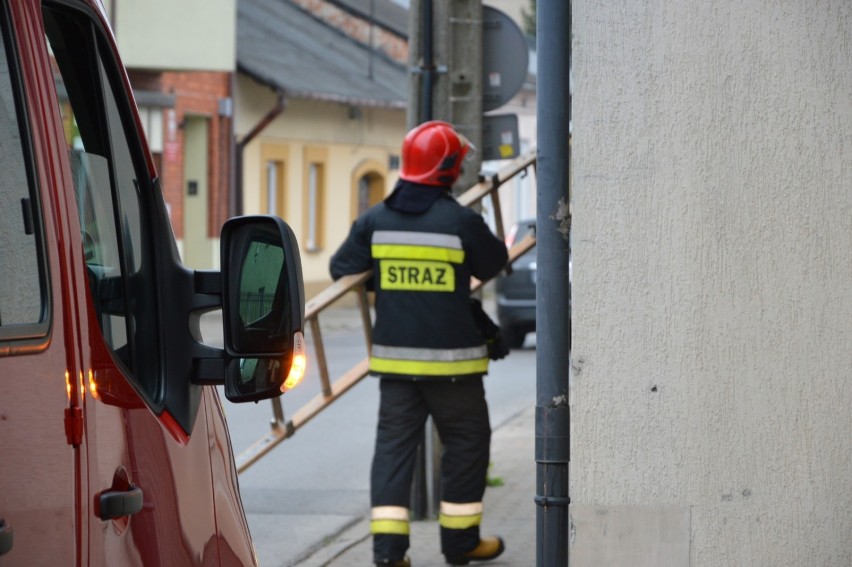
(423, 248)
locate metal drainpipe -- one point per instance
(425, 498)
(371, 46)
(231, 185)
(553, 316)
(274, 112)
(428, 63)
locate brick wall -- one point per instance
(196, 93)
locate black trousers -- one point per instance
(460, 413)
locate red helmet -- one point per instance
(432, 154)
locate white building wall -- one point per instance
(712, 284)
(192, 35)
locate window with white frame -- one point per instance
(275, 187)
(313, 241)
(314, 160)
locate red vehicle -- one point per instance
(113, 445)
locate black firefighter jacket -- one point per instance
(423, 247)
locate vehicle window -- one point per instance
(110, 188)
(23, 282)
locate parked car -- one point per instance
(516, 291)
(113, 444)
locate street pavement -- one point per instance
(509, 510)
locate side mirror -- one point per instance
(263, 308)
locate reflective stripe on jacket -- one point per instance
(416, 261)
(429, 361)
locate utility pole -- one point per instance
(445, 62)
(553, 316)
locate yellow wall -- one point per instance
(346, 144)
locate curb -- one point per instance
(336, 545)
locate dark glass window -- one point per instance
(112, 189)
(23, 282)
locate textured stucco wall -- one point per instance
(712, 280)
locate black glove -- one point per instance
(490, 331)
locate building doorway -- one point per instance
(370, 190)
(197, 245)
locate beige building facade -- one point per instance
(317, 166)
(320, 117)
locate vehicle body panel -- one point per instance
(72, 426)
(516, 303)
(40, 472)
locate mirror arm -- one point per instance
(209, 371)
(209, 363)
(209, 282)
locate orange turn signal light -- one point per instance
(298, 365)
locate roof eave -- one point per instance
(320, 96)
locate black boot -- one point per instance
(404, 562)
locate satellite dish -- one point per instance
(505, 58)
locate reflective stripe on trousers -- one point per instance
(460, 516)
(389, 520)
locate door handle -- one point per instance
(117, 503)
(5, 537)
